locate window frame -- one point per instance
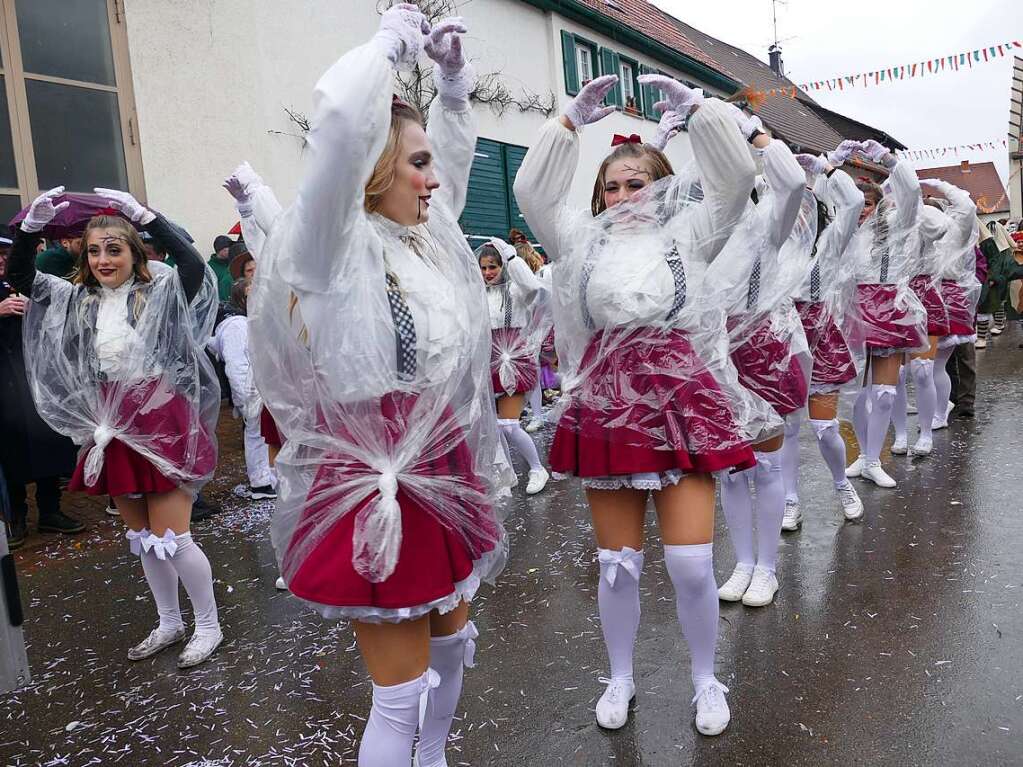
(15, 79)
(570, 44)
(634, 84)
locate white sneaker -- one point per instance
(923, 447)
(995, 330)
(980, 343)
(537, 481)
(761, 589)
(158, 640)
(733, 589)
(793, 516)
(712, 714)
(877, 475)
(942, 423)
(852, 506)
(280, 585)
(855, 469)
(112, 510)
(534, 425)
(199, 648)
(613, 706)
(900, 446)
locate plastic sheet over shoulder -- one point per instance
(156, 392)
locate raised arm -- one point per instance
(545, 176)
(518, 270)
(257, 206)
(787, 181)
(957, 220)
(21, 264)
(840, 191)
(905, 187)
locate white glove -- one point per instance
(133, 210)
(453, 79)
(239, 185)
(669, 126)
(677, 97)
(844, 151)
(812, 164)
(401, 32)
(43, 211)
(587, 108)
(747, 123)
(507, 251)
(878, 153)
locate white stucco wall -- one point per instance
(211, 97)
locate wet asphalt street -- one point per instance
(892, 642)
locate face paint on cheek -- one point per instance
(419, 183)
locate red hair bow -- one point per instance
(619, 139)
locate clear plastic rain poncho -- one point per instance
(371, 347)
(885, 253)
(955, 261)
(826, 298)
(153, 387)
(520, 320)
(755, 276)
(642, 347)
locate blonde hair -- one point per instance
(387, 164)
(83, 274)
(659, 167)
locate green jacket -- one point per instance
(223, 271)
(56, 261)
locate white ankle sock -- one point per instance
(737, 503)
(392, 723)
(163, 582)
(521, 441)
(618, 603)
(449, 657)
(691, 569)
(926, 395)
(832, 448)
(194, 570)
(770, 507)
(790, 456)
(883, 398)
(900, 406)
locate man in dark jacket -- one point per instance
(220, 263)
(29, 450)
(60, 258)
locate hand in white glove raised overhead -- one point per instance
(43, 211)
(132, 209)
(878, 153)
(843, 152)
(669, 126)
(241, 184)
(506, 250)
(400, 36)
(587, 108)
(813, 164)
(677, 97)
(451, 75)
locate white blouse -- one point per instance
(115, 337)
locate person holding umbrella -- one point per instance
(118, 366)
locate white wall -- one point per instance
(212, 78)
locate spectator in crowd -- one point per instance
(220, 264)
(241, 263)
(30, 452)
(60, 258)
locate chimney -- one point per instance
(774, 56)
(964, 166)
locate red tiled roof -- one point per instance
(652, 22)
(981, 181)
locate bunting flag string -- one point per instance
(927, 67)
(936, 153)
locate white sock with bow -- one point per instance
(618, 604)
(193, 568)
(393, 719)
(449, 657)
(162, 579)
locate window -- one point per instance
(580, 61)
(490, 207)
(625, 74)
(584, 60)
(67, 113)
(633, 95)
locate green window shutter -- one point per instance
(486, 206)
(651, 95)
(609, 66)
(514, 156)
(568, 58)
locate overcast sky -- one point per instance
(822, 39)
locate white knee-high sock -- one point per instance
(449, 657)
(618, 603)
(520, 440)
(900, 407)
(393, 719)
(737, 503)
(162, 579)
(832, 448)
(193, 568)
(942, 382)
(790, 456)
(536, 399)
(861, 417)
(883, 398)
(926, 395)
(770, 507)
(691, 569)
